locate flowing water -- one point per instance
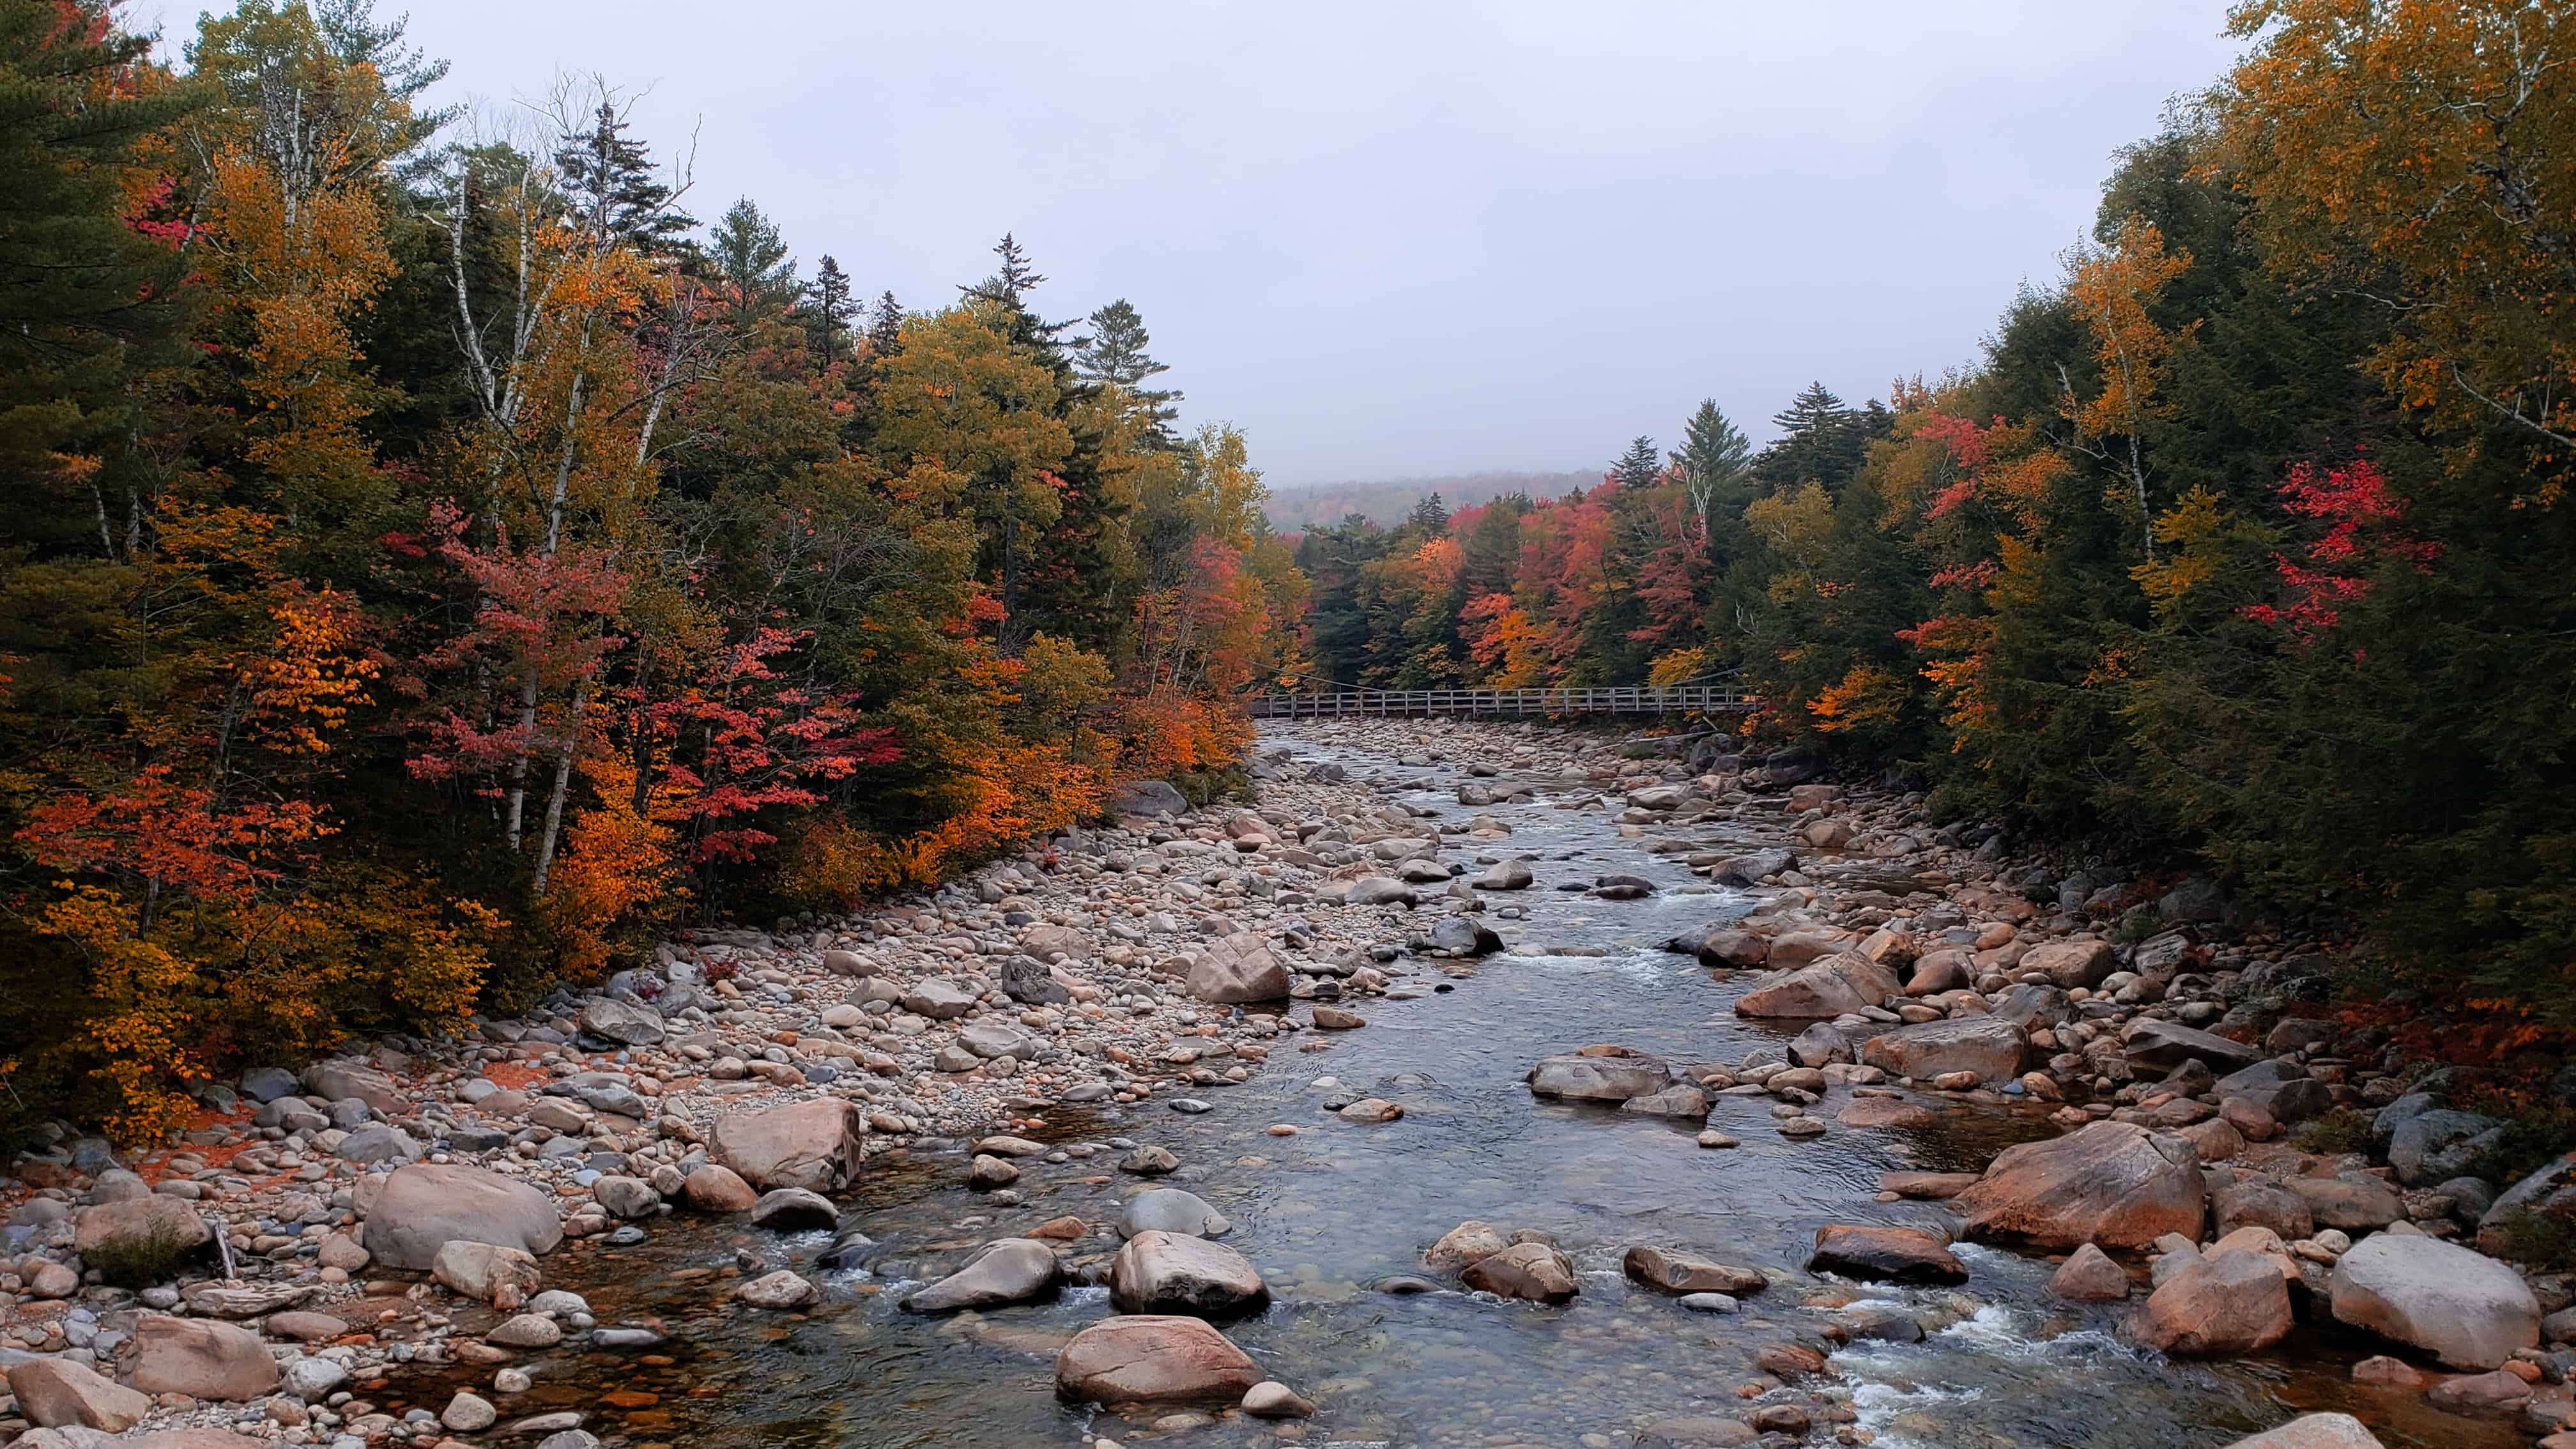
(1341, 1206)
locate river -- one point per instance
(1340, 1206)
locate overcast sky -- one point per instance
(1393, 239)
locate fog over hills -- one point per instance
(1293, 510)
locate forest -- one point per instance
(441, 559)
(2244, 545)
(438, 562)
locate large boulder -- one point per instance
(1175, 1273)
(620, 1023)
(2114, 1184)
(1745, 870)
(2314, 1431)
(2464, 1308)
(1379, 890)
(1893, 1255)
(1154, 1359)
(1601, 1073)
(2431, 1146)
(2153, 1045)
(1845, 981)
(1148, 797)
(1008, 1270)
(814, 1144)
(1238, 968)
(338, 1081)
(56, 1393)
(425, 1206)
(2548, 1194)
(2069, 964)
(2227, 1302)
(200, 1358)
(1989, 1046)
(139, 1221)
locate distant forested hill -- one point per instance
(1294, 509)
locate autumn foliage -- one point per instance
(444, 563)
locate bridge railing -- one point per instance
(1620, 699)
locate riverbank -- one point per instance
(1313, 1017)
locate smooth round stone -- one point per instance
(1714, 1138)
(1709, 1303)
(1189, 1105)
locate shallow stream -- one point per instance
(1341, 1206)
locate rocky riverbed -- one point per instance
(1479, 1085)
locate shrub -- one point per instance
(2339, 1131)
(142, 1258)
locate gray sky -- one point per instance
(1394, 239)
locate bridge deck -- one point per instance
(1641, 699)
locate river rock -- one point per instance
(486, 1272)
(1749, 869)
(2464, 1308)
(814, 1144)
(526, 1330)
(1668, 1271)
(1732, 947)
(1379, 890)
(2069, 964)
(423, 1207)
(2222, 1303)
(2314, 1431)
(1271, 1399)
(2548, 1193)
(1892, 1255)
(1154, 1359)
(201, 1359)
(1820, 1045)
(1148, 797)
(1463, 1246)
(141, 1219)
(623, 1024)
(1032, 983)
(1504, 875)
(2263, 1205)
(794, 1210)
(1989, 1046)
(2110, 1183)
(338, 1081)
(1847, 981)
(1008, 1270)
(56, 1393)
(715, 1189)
(1238, 968)
(1600, 1074)
(2353, 1202)
(1464, 937)
(626, 1197)
(939, 999)
(2152, 1045)
(2089, 1276)
(1159, 1272)
(780, 1290)
(2430, 1146)
(1533, 1271)
(1171, 1210)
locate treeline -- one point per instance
(2248, 540)
(435, 560)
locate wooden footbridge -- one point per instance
(1621, 699)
